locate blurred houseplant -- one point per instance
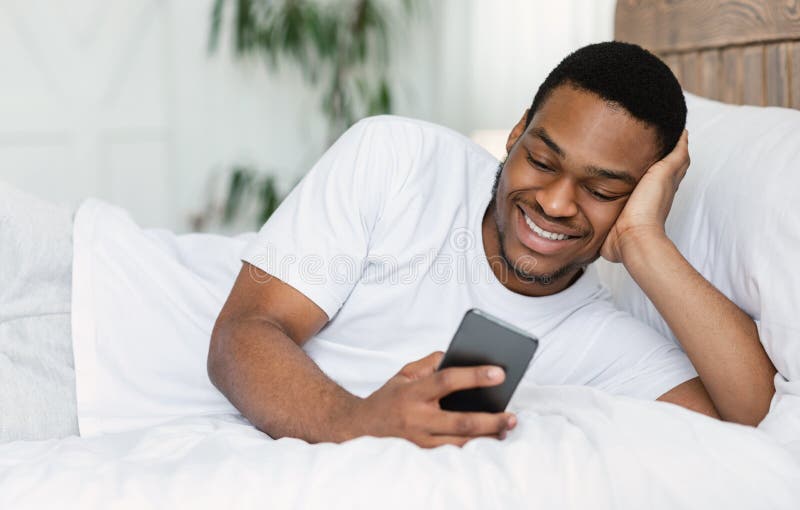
(342, 46)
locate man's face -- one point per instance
(563, 184)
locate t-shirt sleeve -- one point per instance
(318, 239)
(630, 358)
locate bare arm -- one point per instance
(255, 359)
(721, 341)
(691, 395)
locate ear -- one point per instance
(519, 128)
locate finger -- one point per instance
(679, 157)
(445, 382)
(423, 367)
(442, 440)
(437, 441)
(471, 424)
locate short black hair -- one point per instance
(626, 75)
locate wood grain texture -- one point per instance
(710, 72)
(674, 63)
(687, 25)
(732, 73)
(689, 76)
(776, 74)
(794, 75)
(753, 76)
(736, 51)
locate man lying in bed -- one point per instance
(403, 226)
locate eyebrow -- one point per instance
(542, 135)
(611, 174)
(592, 170)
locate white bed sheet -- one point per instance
(573, 448)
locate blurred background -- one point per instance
(202, 114)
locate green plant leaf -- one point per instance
(269, 198)
(240, 180)
(216, 25)
(340, 46)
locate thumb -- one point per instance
(424, 366)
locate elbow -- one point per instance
(753, 415)
(216, 361)
(213, 368)
(750, 420)
(750, 408)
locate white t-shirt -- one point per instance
(384, 235)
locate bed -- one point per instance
(574, 447)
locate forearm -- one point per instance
(720, 339)
(275, 385)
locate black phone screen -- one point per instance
(484, 340)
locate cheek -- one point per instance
(602, 217)
(514, 180)
(520, 178)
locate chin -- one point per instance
(544, 269)
(534, 267)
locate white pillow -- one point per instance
(736, 218)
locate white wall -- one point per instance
(120, 99)
(494, 54)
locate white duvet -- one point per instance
(573, 448)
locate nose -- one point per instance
(558, 198)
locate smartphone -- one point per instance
(485, 340)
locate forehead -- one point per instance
(590, 131)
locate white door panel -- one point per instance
(83, 95)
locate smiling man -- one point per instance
(335, 324)
(562, 225)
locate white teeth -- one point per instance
(544, 233)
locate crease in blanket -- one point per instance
(37, 376)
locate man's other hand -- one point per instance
(647, 208)
(407, 406)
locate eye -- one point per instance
(538, 164)
(602, 197)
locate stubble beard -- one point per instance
(517, 268)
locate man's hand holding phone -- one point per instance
(407, 405)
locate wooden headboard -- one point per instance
(742, 52)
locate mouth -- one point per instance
(545, 241)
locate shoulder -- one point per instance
(419, 133)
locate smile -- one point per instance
(539, 231)
(544, 233)
(542, 241)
